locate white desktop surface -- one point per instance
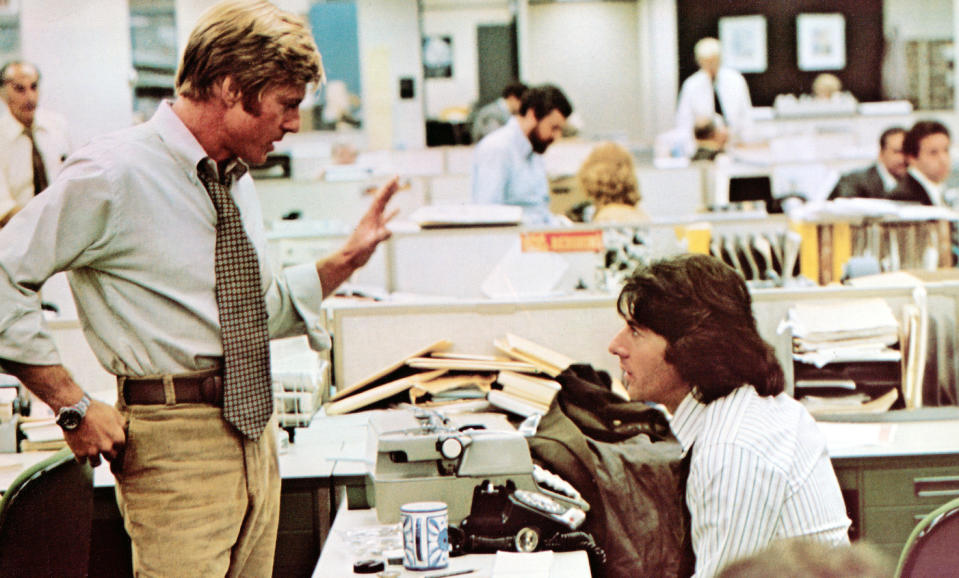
(335, 446)
(337, 558)
(314, 453)
(890, 439)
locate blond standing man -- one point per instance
(160, 229)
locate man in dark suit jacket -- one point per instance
(926, 147)
(878, 180)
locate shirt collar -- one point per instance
(184, 147)
(10, 127)
(932, 189)
(519, 139)
(686, 422)
(889, 182)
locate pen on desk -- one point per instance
(453, 573)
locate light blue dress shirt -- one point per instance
(506, 171)
(132, 223)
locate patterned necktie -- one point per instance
(248, 393)
(39, 170)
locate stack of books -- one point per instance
(523, 394)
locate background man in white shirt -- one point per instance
(26, 170)
(759, 469)
(714, 91)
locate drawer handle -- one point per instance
(937, 493)
(936, 486)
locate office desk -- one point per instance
(338, 556)
(886, 471)
(893, 473)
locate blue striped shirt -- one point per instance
(759, 472)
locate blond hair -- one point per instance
(253, 42)
(825, 85)
(608, 176)
(707, 48)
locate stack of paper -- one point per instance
(848, 330)
(849, 333)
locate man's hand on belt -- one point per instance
(102, 432)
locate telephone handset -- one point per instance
(556, 487)
(570, 516)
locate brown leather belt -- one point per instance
(206, 388)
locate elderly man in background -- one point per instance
(33, 141)
(714, 91)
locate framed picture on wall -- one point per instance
(438, 57)
(743, 40)
(821, 41)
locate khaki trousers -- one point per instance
(197, 498)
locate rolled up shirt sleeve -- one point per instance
(294, 303)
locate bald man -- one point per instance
(24, 173)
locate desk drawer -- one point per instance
(910, 486)
(892, 525)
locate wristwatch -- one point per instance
(70, 416)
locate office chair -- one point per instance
(45, 519)
(931, 549)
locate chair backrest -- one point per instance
(46, 518)
(932, 548)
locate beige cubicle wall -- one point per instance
(368, 337)
(582, 326)
(454, 262)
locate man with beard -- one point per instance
(508, 166)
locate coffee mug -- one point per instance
(426, 544)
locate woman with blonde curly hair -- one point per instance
(609, 179)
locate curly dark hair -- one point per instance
(543, 100)
(703, 309)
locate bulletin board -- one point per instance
(860, 75)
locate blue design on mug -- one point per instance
(425, 535)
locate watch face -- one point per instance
(69, 419)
